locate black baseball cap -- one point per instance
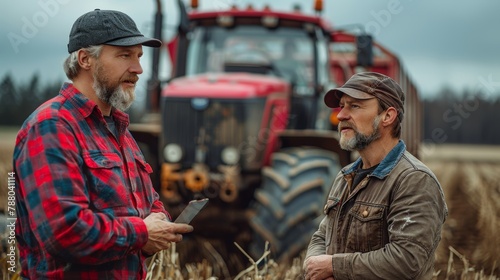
(107, 27)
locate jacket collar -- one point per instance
(385, 166)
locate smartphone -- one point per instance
(191, 210)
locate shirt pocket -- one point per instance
(330, 210)
(144, 176)
(106, 182)
(365, 229)
(144, 166)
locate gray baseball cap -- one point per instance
(107, 27)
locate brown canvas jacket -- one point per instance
(388, 226)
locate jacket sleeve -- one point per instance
(317, 244)
(53, 188)
(414, 221)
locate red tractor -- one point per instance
(242, 122)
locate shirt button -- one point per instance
(365, 214)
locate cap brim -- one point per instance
(332, 97)
(135, 40)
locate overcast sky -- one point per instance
(441, 43)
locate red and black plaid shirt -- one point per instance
(82, 193)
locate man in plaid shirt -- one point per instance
(85, 203)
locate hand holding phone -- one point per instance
(191, 210)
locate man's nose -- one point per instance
(343, 114)
(136, 67)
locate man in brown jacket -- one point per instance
(385, 211)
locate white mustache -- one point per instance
(345, 125)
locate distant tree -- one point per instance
(18, 101)
(50, 90)
(8, 99)
(29, 98)
(490, 115)
(450, 117)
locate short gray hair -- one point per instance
(71, 66)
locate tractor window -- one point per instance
(323, 62)
(284, 52)
(198, 46)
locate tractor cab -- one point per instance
(241, 77)
(292, 47)
(283, 52)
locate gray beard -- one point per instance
(359, 141)
(121, 100)
(115, 97)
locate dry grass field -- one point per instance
(7, 142)
(470, 247)
(470, 176)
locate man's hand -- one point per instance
(162, 232)
(318, 268)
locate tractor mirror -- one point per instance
(364, 47)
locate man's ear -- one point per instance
(84, 59)
(390, 116)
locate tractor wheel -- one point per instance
(288, 207)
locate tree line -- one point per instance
(19, 100)
(448, 117)
(468, 117)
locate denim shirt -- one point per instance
(385, 166)
(386, 227)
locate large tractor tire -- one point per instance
(288, 207)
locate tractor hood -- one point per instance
(226, 85)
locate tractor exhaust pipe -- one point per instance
(154, 88)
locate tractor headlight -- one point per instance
(225, 20)
(172, 153)
(270, 21)
(230, 155)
